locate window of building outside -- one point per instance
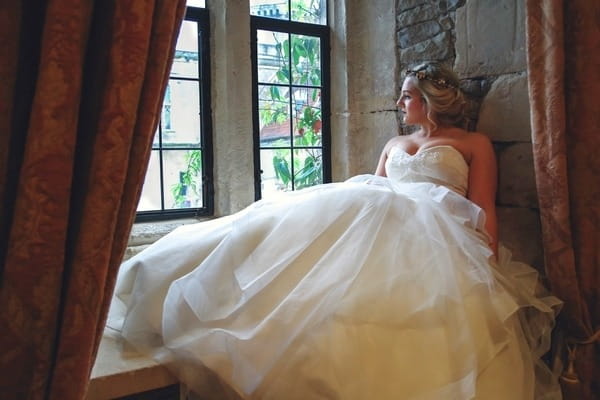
(178, 180)
(290, 62)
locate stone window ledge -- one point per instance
(144, 234)
(117, 373)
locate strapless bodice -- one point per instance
(441, 165)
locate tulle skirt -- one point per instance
(365, 289)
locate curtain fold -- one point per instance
(80, 121)
(563, 48)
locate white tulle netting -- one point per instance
(366, 289)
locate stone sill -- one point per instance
(117, 373)
(120, 372)
(144, 234)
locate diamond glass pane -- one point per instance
(308, 167)
(276, 172)
(310, 11)
(306, 109)
(196, 3)
(156, 139)
(182, 178)
(274, 114)
(150, 198)
(273, 57)
(180, 119)
(277, 9)
(306, 60)
(185, 61)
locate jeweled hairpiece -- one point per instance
(422, 75)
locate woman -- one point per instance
(423, 100)
(385, 286)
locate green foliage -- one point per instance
(306, 168)
(189, 179)
(306, 10)
(307, 164)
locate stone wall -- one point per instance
(484, 41)
(363, 83)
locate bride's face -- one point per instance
(411, 103)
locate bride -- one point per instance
(386, 286)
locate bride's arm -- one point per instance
(483, 181)
(380, 171)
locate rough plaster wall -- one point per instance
(371, 87)
(340, 114)
(231, 97)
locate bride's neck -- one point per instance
(430, 130)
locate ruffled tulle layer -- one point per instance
(358, 290)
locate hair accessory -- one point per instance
(422, 75)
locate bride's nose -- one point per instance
(399, 103)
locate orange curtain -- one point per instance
(563, 45)
(81, 85)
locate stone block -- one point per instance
(516, 180)
(437, 48)
(490, 37)
(405, 5)
(519, 230)
(454, 4)
(447, 23)
(418, 33)
(416, 15)
(504, 113)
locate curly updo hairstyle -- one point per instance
(440, 88)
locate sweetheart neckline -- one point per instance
(423, 150)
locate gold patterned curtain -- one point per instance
(563, 45)
(81, 84)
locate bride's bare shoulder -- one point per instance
(479, 144)
(479, 139)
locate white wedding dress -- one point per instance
(374, 288)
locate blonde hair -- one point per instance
(440, 88)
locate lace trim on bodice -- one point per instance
(442, 165)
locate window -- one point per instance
(196, 3)
(290, 62)
(178, 181)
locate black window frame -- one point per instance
(293, 28)
(201, 17)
